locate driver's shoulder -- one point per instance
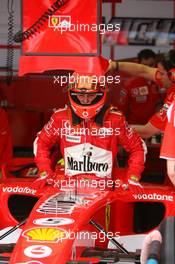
(60, 113)
(114, 114)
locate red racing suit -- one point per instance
(139, 99)
(168, 145)
(5, 139)
(88, 147)
(159, 119)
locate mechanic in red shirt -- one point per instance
(168, 146)
(163, 76)
(88, 132)
(5, 139)
(140, 98)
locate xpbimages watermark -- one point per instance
(86, 235)
(64, 24)
(85, 182)
(73, 134)
(71, 79)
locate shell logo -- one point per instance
(50, 235)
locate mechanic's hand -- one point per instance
(113, 65)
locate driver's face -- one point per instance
(86, 98)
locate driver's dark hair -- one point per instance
(167, 59)
(146, 54)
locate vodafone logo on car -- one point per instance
(18, 189)
(154, 196)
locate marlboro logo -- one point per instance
(86, 165)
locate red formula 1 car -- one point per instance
(73, 223)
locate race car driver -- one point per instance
(168, 146)
(137, 93)
(88, 132)
(163, 76)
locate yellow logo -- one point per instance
(54, 21)
(51, 235)
(107, 216)
(143, 90)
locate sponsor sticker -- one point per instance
(154, 196)
(18, 189)
(105, 131)
(59, 21)
(30, 262)
(49, 125)
(64, 203)
(123, 93)
(143, 90)
(87, 158)
(56, 208)
(37, 251)
(53, 221)
(71, 138)
(49, 235)
(134, 92)
(141, 98)
(129, 130)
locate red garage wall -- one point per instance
(31, 101)
(34, 93)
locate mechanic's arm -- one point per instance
(168, 145)
(171, 170)
(155, 125)
(134, 69)
(146, 131)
